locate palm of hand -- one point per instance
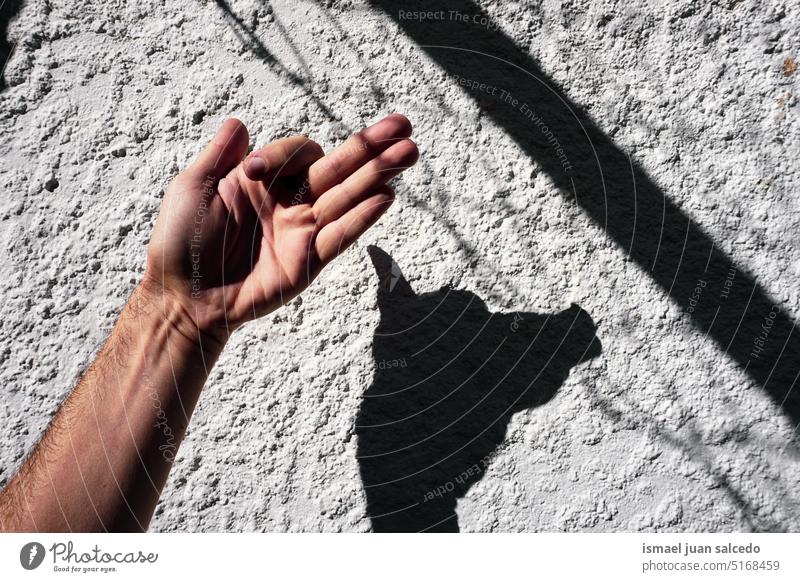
(273, 256)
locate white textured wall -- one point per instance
(662, 431)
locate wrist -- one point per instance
(175, 311)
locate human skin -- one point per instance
(235, 239)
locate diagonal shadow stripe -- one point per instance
(723, 300)
(8, 10)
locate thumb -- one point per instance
(225, 151)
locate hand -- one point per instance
(236, 238)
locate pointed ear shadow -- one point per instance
(392, 284)
(449, 374)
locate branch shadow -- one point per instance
(252, 42)
(449, 375)
(723, 300)
(691, 445)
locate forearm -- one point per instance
(105, 456)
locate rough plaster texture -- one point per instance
(663, 430)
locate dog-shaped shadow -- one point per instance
(449, 375)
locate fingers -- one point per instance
(355, 152)
(225, 151)
(335, 237)
(340, 199)
(282, 157)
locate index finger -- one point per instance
(282, 157)
(359, 149)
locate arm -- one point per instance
(105, 456)
(235, 239)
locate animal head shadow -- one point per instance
(449, 374)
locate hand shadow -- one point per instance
(449, 375)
